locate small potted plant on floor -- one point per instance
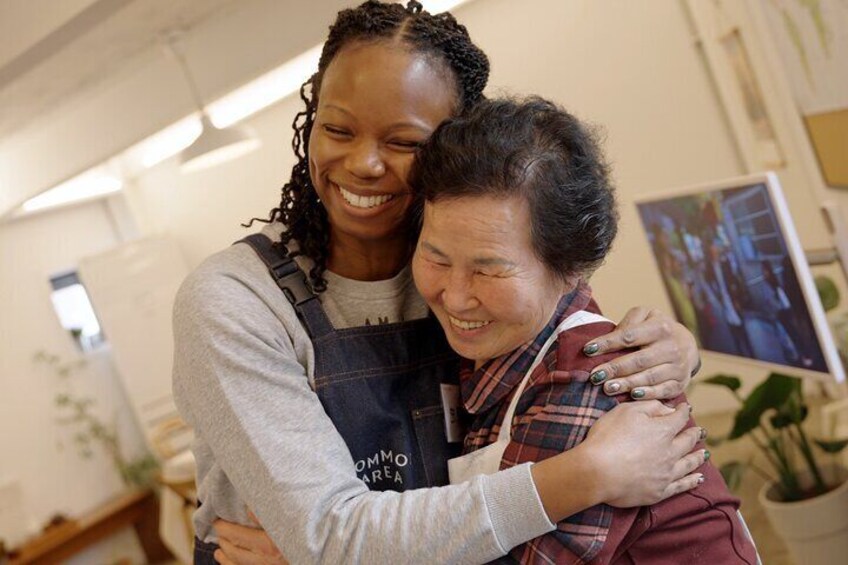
(806, 492)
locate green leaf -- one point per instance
(729, 381)
(732, 473)
(792, 412)
(828, 292)
(771, 394)
(780, 421)
(832, 446)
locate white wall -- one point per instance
(53, 478)
(202, 210)
(662, 120)
(631, 67)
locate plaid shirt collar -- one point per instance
(496, 378)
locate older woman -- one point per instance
(519, 210)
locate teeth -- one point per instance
(364, 201)
(467, 325)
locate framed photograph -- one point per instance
(736, 276)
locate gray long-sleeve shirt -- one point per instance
(243, 369)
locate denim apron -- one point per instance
(385, 387)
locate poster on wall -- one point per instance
(765, 144)
(812, 41)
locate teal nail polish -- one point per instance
(638, 393)
(706, 455)
(591, 348)
(598, 377)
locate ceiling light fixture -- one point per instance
(214, 145)
(91, 184)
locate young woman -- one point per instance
(319, 400)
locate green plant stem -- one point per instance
(775, 456)
(765, 449)
(788, 480)
(807, 452)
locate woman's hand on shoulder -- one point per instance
(245, 545)
(642, 454)
(663, 365)
(636, 454)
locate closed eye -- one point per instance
(438, 263)
(405, 145)
(335, 131)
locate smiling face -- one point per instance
(378, 102)
(476, 268)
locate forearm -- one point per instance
(576, 469)
(250, 401)
(304, 489)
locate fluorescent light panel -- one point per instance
(221, 154)
(166, 143)
(90, 184)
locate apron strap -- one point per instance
(293, 282)
(579, 318)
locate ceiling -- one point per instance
(82, 80)
(53, 51)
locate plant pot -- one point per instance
(815, 530)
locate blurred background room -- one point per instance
(136, 136)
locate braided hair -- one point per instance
(437, 35)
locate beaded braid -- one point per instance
(439, 36)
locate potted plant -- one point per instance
(88, 430)
(806, 491)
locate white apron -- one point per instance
(487, 460)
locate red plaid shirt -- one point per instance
(555, 412)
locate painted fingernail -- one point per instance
(702, 435)
(638, 393)
(598, 377)
(612, 388)
(706, 455)
(691, 409)
(701, 479)
(591, 348)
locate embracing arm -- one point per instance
(237, 380)
(661, 368)
(633, 456)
